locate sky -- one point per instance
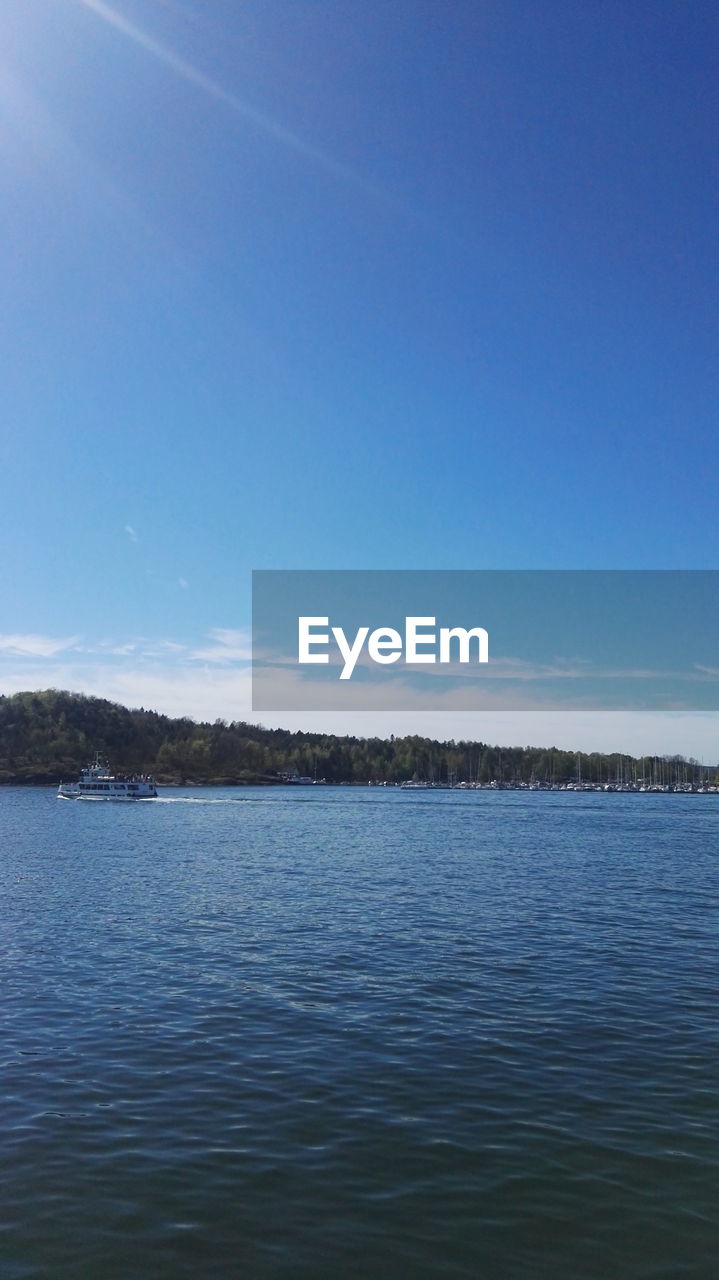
(313, 285)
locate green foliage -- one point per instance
(48, 736)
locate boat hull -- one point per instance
(73, 795)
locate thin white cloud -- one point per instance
(225, 645)
(499, 667)
(229, 645)
(276, 688)
(162, 650)
(182, 582)
(35, 646)
(139, 647)
(132, 533)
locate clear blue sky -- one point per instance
(315, 284)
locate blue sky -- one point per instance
(320, 285)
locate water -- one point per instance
(354, 1033)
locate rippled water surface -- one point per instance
(359, 1033)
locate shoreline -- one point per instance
(423, 788)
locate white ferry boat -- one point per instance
(97, 783)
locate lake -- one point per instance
(355, 1032)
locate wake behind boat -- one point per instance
(97, 783)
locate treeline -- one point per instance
(49, 736)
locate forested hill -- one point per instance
(48, 736)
